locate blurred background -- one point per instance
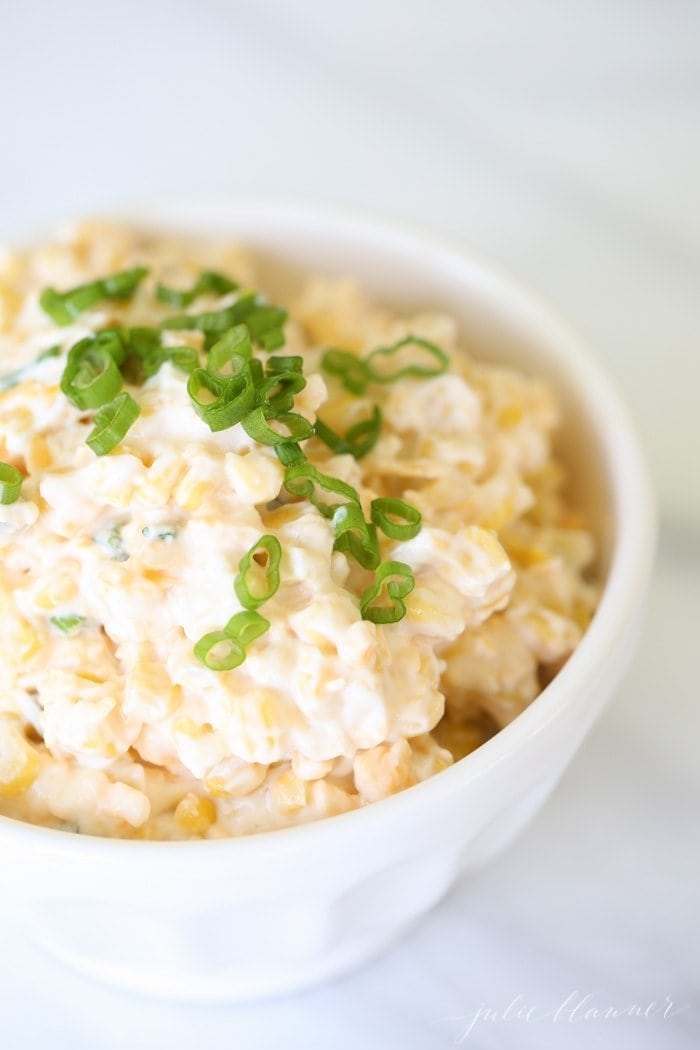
(562, 139)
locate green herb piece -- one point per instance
(64, 307)
(264, 322)
(258, 424)
(67, 624)
(355, 536)
(258, 573)
(289, 454)
(166, 532)
(111, 424)
(221, 403)
(351, 370)
(284, 363)
(225, 650)
(227, 356)
(91, 376)
(184, 358)
(305, 481)
(10, 483)
(209, 282)
(393, 580)
(111, 542)
(359, 440)
(427, 360)
(386, 511)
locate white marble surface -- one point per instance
(561, 139)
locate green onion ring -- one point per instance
(424, 371)
(289, 454)
(233, 655)
(111, 424)
(359, 440)
(351, 370)
(355, 536)
(250, 570)
(257, 426)
(231, 400)
(10, 483)
(398, 580)
(91, 377)
(303, 480)
(209, 282)
(384, 510)
(225, 358)
(64, 307)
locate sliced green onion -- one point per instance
(212, 322)
(184, 358)
(111, 424)
(219, 651)
(355, 536)
(305, 481)
(67, 624)
(226, 357)
(10, 483)
(435, 361)
(91, 377)
(221, 403)
(351, 370)
(359, 440)
(264, 322)
(12, 379)
(384, 513)
(284, 363)
(141, 340)
(208, 283)
(256, 425)
(246, 627)
(289, 454)
(279, 390)
(258, 572)
(224, 650)
(397, 580)
(64, 307)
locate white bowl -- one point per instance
(240, 918)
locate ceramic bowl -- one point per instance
(270, 913)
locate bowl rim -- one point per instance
(632, 555)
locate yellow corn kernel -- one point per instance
(58, 591)
(25, 641)
(195, 730)
(117, 493)
(19, 762)
(190, 493)
(161, 477)
(38, 456)
(289, 792)
(9, 305)
(498, 516)
(148, 692)
(195, 813)
(423, 612)
(233, 778)
(526, 553)
(510, 416)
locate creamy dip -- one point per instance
(122, 554)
